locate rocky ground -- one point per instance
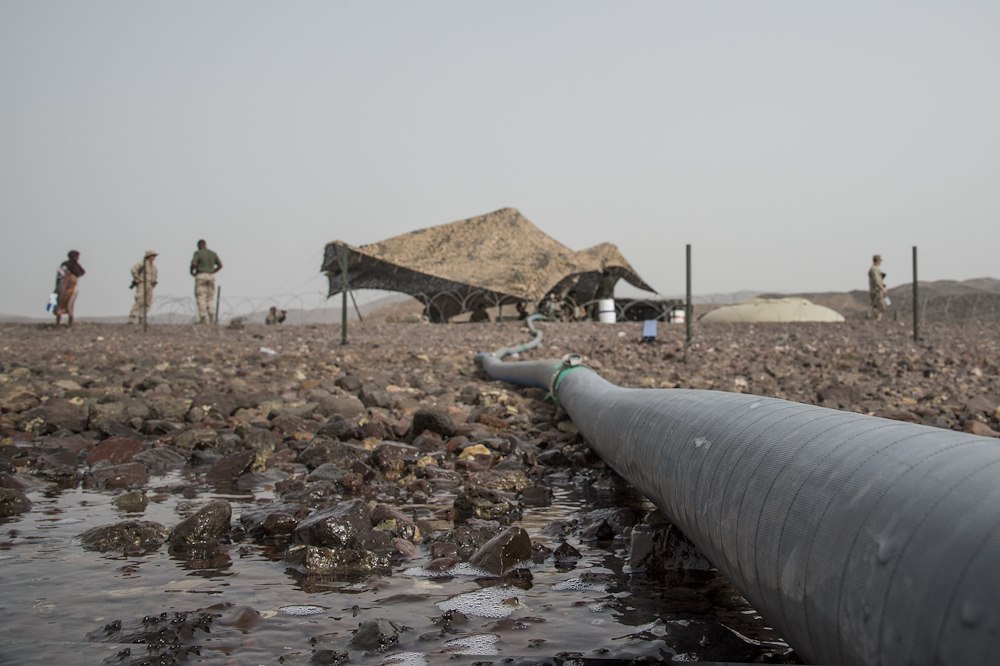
(395, 448)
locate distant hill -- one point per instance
(941, 300)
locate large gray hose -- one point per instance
(862, 540)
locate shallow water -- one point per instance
(58, 597)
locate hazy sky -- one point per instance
(785, 141)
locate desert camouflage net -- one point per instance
(494, 259)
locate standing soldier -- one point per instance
(144, 278)
(204, 265)
(876, 288)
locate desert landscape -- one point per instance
(254, 494)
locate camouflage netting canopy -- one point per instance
(495, 259)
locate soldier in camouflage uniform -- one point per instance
(144, 278)
(876, 288)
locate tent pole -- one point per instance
(345, 286)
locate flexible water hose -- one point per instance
(862, 540)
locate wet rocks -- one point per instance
(272, 521)
(485, 504)
(606, 524)
(13, 502)
(105, 476)
(348, 563)
(376, 635)
(134, 501)
(341, 526)
(208, 526)
(503, 551)
(165, 639)
(116, 450)
(660, 547)
(127, 536)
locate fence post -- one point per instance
(916, 299)
(688, 308)
(145, 293)
(218, 299)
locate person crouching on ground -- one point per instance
(275, 316)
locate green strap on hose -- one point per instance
(558, 377)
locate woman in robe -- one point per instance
(70, 271)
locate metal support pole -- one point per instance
(688, 308)
(916, 299)
(345, 286)
(218, 299)
(356, 308)
(145, 292)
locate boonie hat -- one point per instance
(151, 253)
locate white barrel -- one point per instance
(676, 316)
(606, 310)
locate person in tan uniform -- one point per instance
(144, 279)
(876, 288)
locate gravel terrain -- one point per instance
(356, 462)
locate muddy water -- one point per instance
(58, 598)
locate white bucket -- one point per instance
(606, 310)
(676, 316)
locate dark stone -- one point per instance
(197, 439)
(55, 414)
(376, 427)
(134, 501)
(981, 404)
(553, 458)
(221, 404)
(606, 524)
(433, 419)
(340, 407)
(376, 635)
(469, 538)
(17, 482)
(340, 526)
(328, 657)
(115, 450)
(392, 457)
(663, 548)
(208, 526)
(339, 453)
(536, 496)
(395, 522)
(229, 468)
(256, 439)
(167, 639)
(272, 520)
(327, 472)
(341, 428)
(161, 459)
(839, 396)
(503, 551)
(112, 477)
(566, 554)
(350, 383)
(128, 535)
(373, 396)
(13, 502)
(349, 563)
(485, 504)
